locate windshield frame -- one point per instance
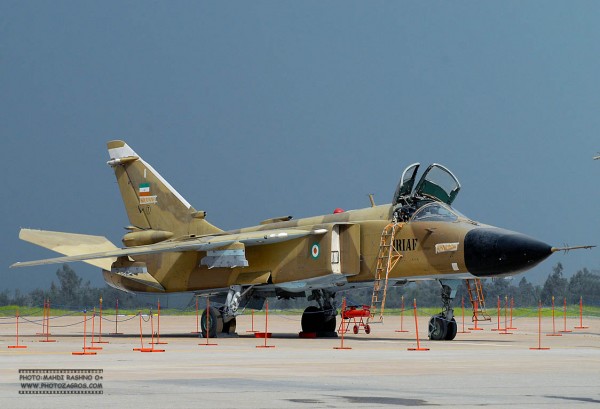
(450, 215)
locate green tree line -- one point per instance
(71, 292)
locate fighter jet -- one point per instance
(171, 247)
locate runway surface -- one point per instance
(482, 368)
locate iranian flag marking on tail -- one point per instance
(144, 189)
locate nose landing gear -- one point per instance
(442, 326)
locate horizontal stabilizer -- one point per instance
(71, 244)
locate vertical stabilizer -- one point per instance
(150, 201)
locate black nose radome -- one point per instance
(492, 251)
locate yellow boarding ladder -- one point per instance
(387, 258)
(475, 291)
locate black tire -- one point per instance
(329, 324)
(437, 328)
(355, 329)
(215, 323)
(367, 329)
(451, 330)
(229, 327)
(313, 319)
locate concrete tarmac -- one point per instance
(482, 368)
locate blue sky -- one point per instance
(260, 109)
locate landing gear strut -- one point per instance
(443, 326)
(321, 319)
(221, 320)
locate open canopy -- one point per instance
(436, 183)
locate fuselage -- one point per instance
(436, 243)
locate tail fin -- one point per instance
(150, 201)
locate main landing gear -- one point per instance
(442, 326)
(221, 320)
(322, 319)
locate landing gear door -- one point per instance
(406, 183)
(438, 183)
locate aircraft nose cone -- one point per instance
(492, 251)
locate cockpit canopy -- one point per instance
(437, 184)
(434, 212)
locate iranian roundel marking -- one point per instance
(315, 250)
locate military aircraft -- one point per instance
(171, 247)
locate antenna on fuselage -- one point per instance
(371, 199)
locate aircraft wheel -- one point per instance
(313, 319)
(229, 327)
(451, 330)
(355, 329)
(329, 324)
(367, 329)
(215, 323)
(437, 328)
